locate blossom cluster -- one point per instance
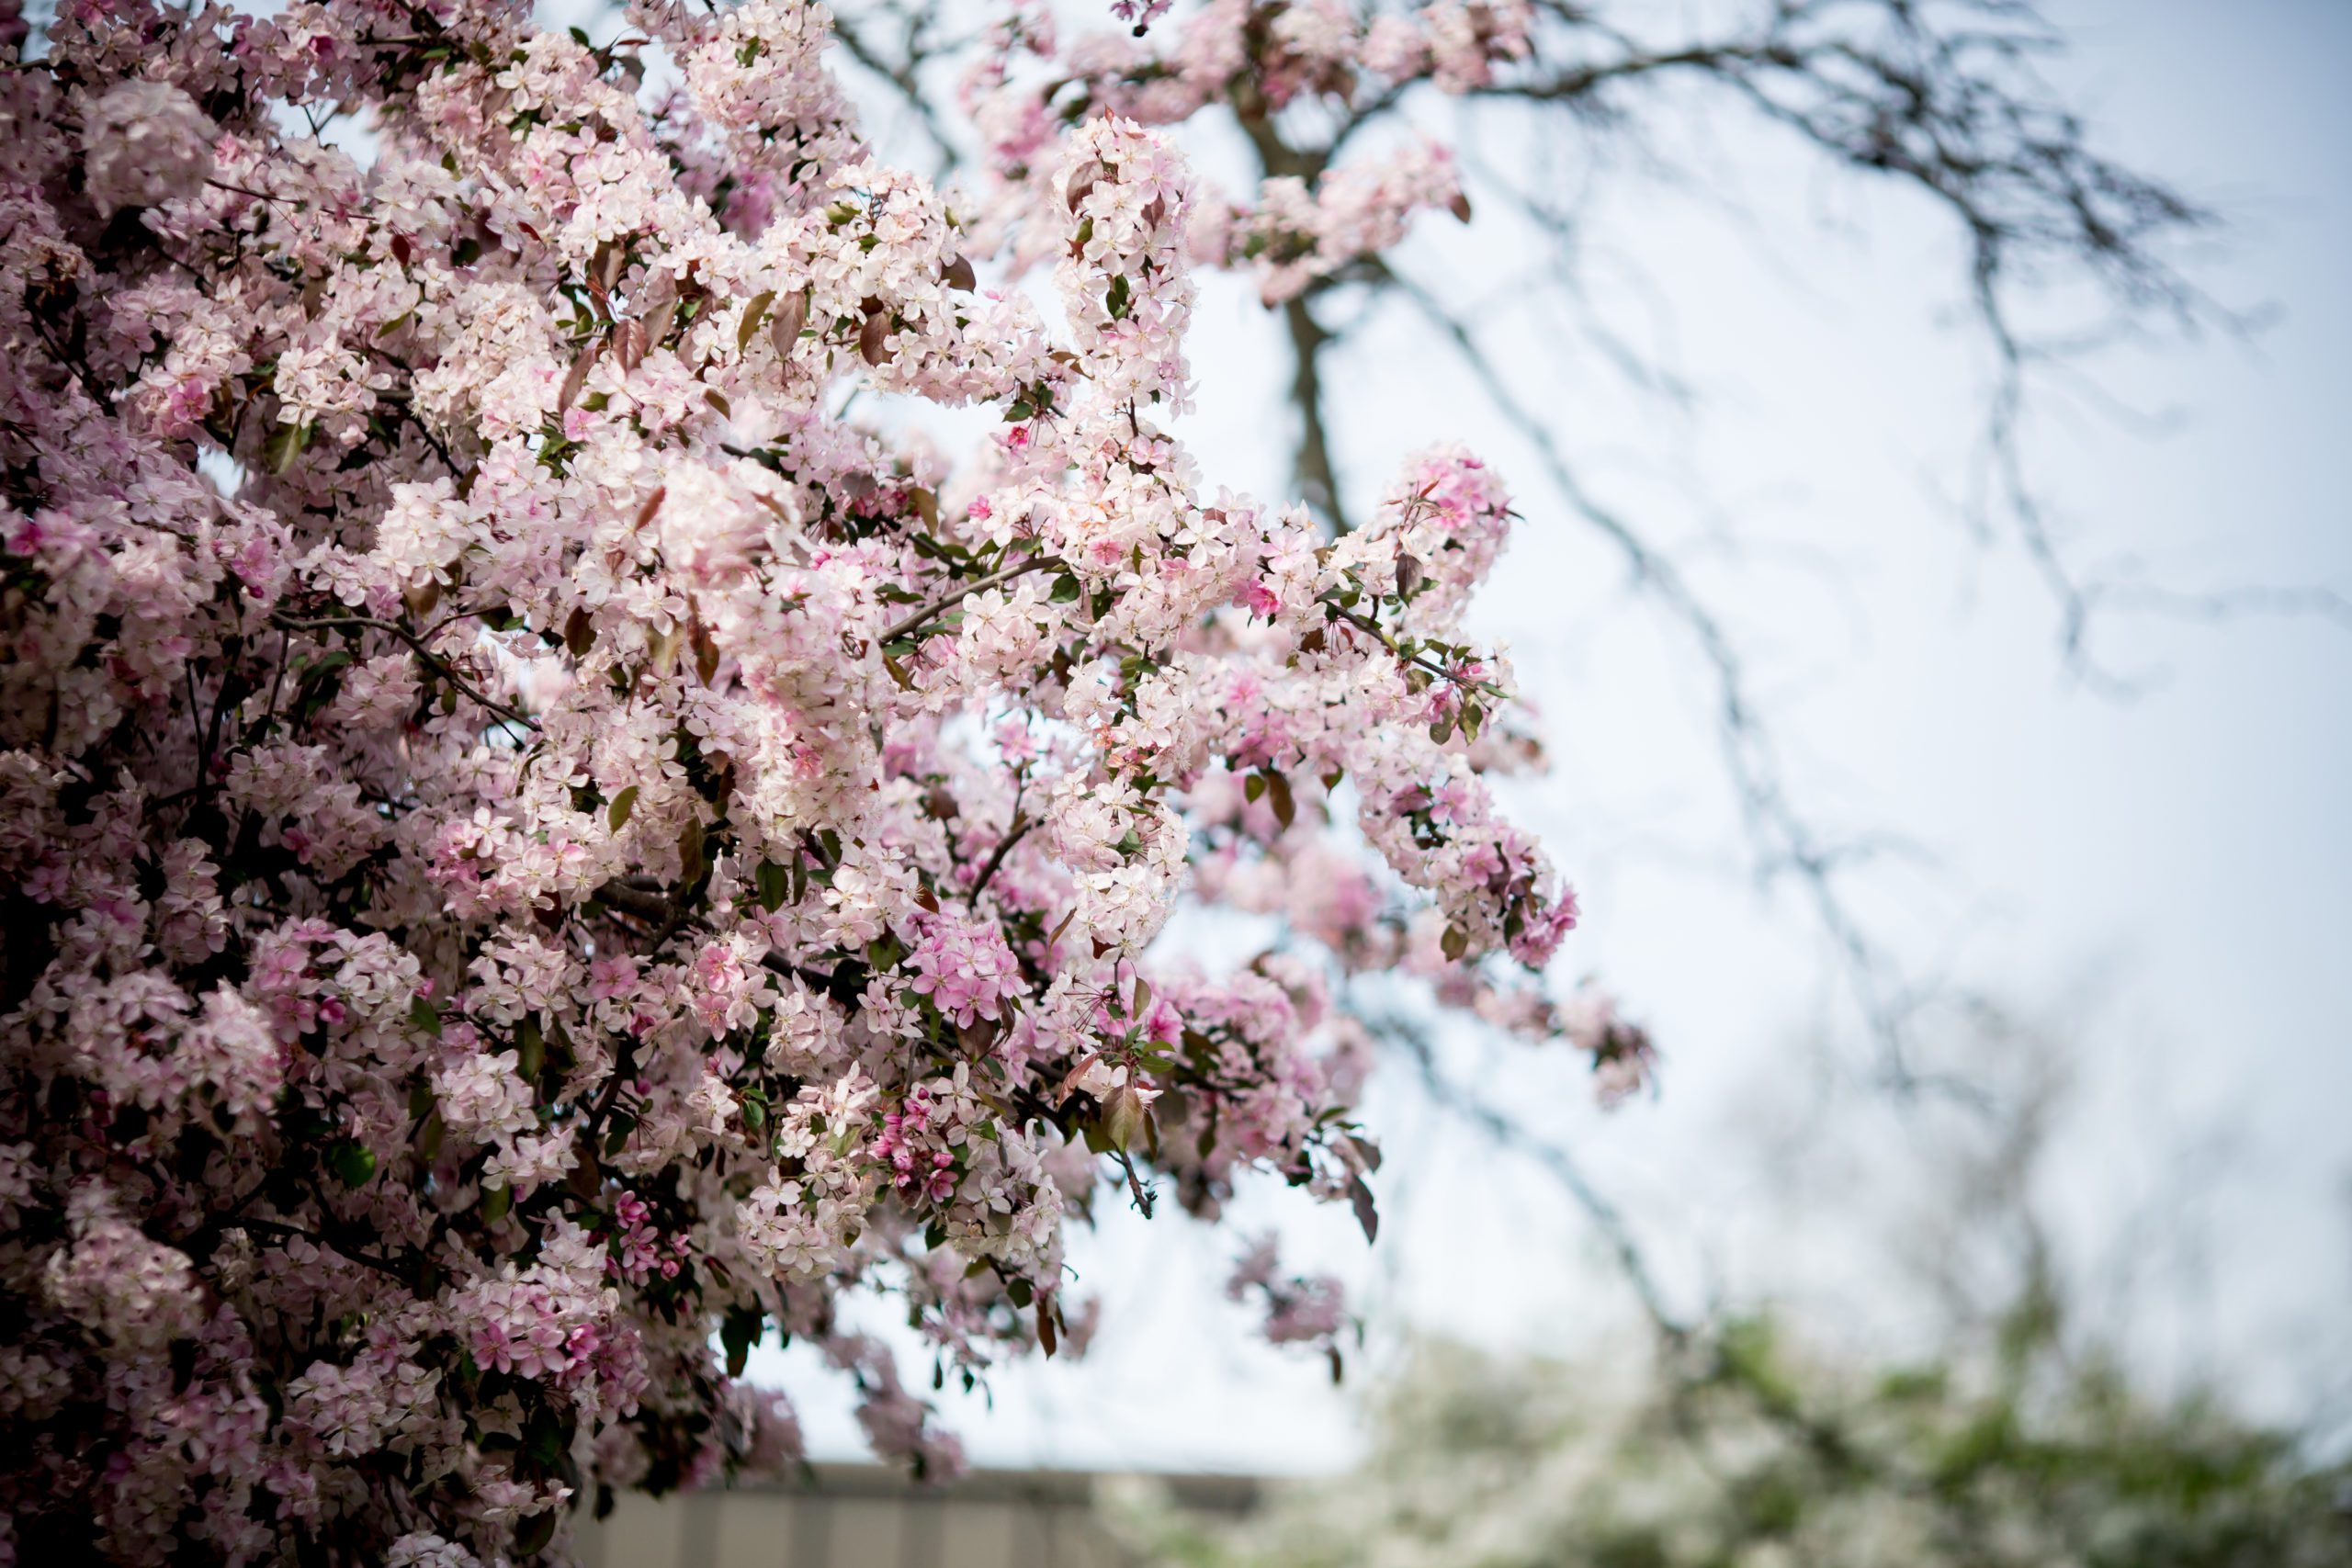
(1298, 228)
(537, 853)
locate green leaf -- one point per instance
(623, 804)
(1122, 1118)
(530, 1050)
(532, 1536)
(496, 1203)
(775, 883)
(353, 1162)
(738, 1332)
(1118, 303)
(1456, 943)
(422, 1015)
(285, 444)
(1067, 589)
(543, 1439)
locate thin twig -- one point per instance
(1606, 1217)
(440, 666)
(915, 622)
(1013, 833)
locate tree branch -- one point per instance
(440, 666)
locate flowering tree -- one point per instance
(536, 851)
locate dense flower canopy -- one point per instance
(548, 833)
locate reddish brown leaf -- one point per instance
(630, 343)
(784, 331)
(652, 505)
(581, 365)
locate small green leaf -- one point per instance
(1066, 589)
(530, 1050)
(495, 1203)
(775, 883)
(285, 444)
(738, 1332)
(623, 804)
(1123, 1117)
(353, 1162)
(534, 1534)
(422, 1015)
(1456, 943)
(617, 1139)
(1118, 303)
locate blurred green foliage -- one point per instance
(1745, 1449)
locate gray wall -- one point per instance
(869, 1516)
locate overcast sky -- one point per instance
(2182, 855)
